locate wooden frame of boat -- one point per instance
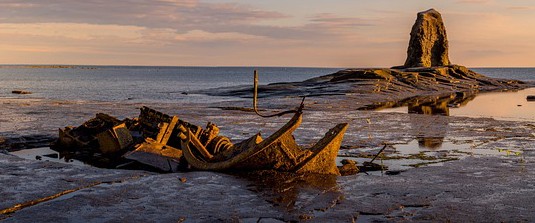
(278, 152)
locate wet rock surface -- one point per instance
(476, 186)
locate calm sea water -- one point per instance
(164, 84)
(141, 84)
(523, 74)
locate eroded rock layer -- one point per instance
(385, 81)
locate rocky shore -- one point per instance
(474, 169)
(474, 186)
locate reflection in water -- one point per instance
(429, 131)
(45, 153)
(428, 105)
(81, 158)
(438, 105)
(430, 142)
(506, 105)
(295, 193)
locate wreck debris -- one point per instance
(170, 144)
(255, 100)
(278, 152)
(104, 133)
(379, 153)
(371, 166)
(115, 139)
(157, 153)
(349, 167)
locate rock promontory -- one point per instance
(427, 71)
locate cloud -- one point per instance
(69, 30)
(331, 20)
(177, 14)
(521, 8)
(192, 32)
(474, 1)
(182, 16)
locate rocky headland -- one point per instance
(427, 70)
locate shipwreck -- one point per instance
(169, 144)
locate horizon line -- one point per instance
(229, 66)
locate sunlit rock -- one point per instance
(428, 46)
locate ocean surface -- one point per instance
(141, 84)
(168, 84)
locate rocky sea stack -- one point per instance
(428, 46)
(427, 71)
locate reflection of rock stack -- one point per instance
(427, 129)
(430, 133)
(430, 142)
(437, 106)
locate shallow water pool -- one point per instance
(508, 106)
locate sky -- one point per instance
(299, 33)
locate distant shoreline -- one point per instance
(67, 66)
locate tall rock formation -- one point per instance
(428, 46)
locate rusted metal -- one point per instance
(115, 139)
(278, 152)
(157, 153)
(187, 136)
(171, 144)
(255, 101)
(104, 133)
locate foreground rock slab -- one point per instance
(113, 195)
(474, 189)
(471, 189)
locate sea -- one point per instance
(141, 83)
(164, 84)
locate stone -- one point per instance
(428, 45)
(20, 92)
(349, 167)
